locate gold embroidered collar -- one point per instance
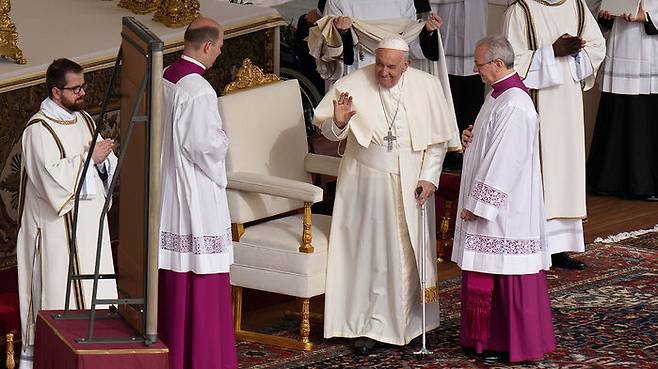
(61, 121)
(543, 2)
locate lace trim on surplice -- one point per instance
(499, 245)
(199, 245)
(487, 194)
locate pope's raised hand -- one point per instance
(343, 110)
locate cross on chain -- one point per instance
(389, 138)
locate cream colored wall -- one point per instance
(591, 97)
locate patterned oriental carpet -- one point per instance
(604, 317)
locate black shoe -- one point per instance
(469, 352)
(491, 358)
(364, 346)
(564, 261)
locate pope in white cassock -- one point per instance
(398, 128)
(558, 47)
(55, 146)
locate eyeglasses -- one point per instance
(76, 89)
(483, 64)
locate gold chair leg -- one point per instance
(236, 294)
(305, 324)
(305, 327)
(444, 241)
(11, 363)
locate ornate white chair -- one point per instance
(279, 245)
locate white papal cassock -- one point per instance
(373, 286)
(532, 27)
(501, 184)
(55, 144)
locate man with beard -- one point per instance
(55, 146)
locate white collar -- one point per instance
(192, 60)
(504, 78)
(56, 112)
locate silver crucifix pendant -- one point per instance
(389, 138)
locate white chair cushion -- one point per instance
(278, 282)
(274, 245)
(267, 257)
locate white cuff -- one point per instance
(89, 186)
(580, 66)
(338, 132)
(544, 70)
(433, 163)
(331, 131)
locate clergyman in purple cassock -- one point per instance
(500, 241)
(196, 251)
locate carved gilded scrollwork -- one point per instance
(249, 75)
(177, 13)
(139, 6)
(305, 324)
(431, 295)
(8, 35)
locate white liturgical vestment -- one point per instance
(55, 144)
(373, 285)
(373, 10)
(464, 23)
(501, 184)
(532, 27)
(195, 228)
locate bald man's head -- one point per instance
(203, 40)
(202, 30)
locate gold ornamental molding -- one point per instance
(249, 75)
(232, 31)
(139, 6)
(177, 13)
(9, 36)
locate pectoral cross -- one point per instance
(389, 138)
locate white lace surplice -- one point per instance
(195, 228)
(501, 184)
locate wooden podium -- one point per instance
(59, 349)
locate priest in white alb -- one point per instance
(196, 248)
(499, 241)
(558, 47)
(55, 146)
(623, 158)
(398, 128)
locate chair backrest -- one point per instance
(266, 127)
